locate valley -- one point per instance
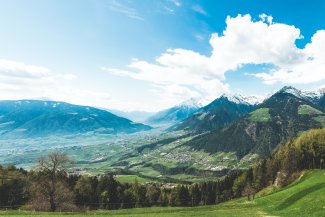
(123, 154)
(232, 135)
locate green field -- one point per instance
(305, 197)
(308, 110)
(260, 115)
(131, 179)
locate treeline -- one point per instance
(51, 188)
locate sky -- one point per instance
(149, 55)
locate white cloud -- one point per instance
(199, 9)
(118, 7)
(19, 69)
(247, 42)
(176, 2)
(23, 81)
(310, 68)
(70, 77)
(179, 74)
(266, 18)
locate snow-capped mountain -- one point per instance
(219, 113)
(279, 118)
(175, 114)
(316, 97)
(242, 99)
(191, 103)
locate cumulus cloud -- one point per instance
(181, 74)
(19, 69)
(310, 68)
(178, 74)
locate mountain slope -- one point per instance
(275, 121)
(175, 114)
(217, 114)
(40, 118)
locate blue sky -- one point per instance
(149, 55)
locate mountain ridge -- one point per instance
(39, 118)
(175, 114)
(273, 122)
(219, 113)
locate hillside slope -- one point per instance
(305, 197)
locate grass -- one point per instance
(305, 197)
(132, 179)
(260, 115)
(308, 110)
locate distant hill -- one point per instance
(219, 113)
(41, 118)
(175, 114)
(279, 118)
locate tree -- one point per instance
(182, 196)
(13, 185)
(195, 195)
(108, 191)
(85, 191)
(139, 194)
(49, 190)
(152, 194)
(249, 191)
(211, 193)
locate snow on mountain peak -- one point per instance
(295, 92)
(242, 99)
(303, 94)
(192, 103)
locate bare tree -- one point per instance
(49, 190)
(249, 191)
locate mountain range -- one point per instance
(41, 118)
(174, 114)
(219, 113)
(276, 120)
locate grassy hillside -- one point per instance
(305, 197)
